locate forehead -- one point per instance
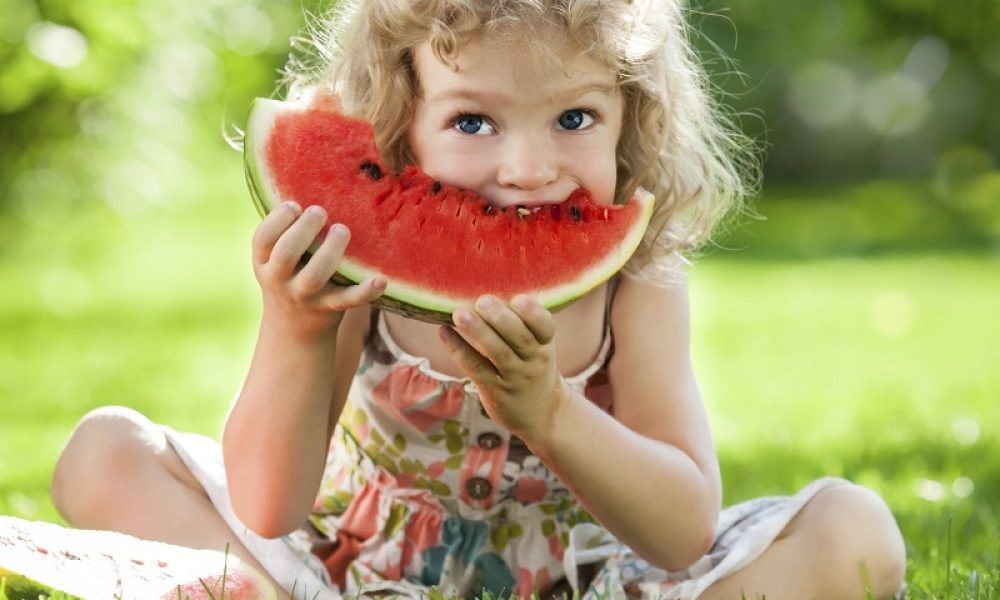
(503, 67)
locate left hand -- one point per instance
(508, 352)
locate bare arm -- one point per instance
(649, 473)
(655, 481)
(277, 433)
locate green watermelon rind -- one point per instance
(258, 129)
(400, 297)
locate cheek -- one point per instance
(599, 174)
(609, 180)
(416, 139)
(441, 163)
(450, 161)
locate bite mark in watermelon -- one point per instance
(40, 559)
(440, 247)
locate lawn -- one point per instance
(880, 368)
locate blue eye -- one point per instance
(575, 119)
(473, 125)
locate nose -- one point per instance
(526, 164)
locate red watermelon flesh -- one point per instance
(40, 559)
(439, 246)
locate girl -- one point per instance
(517, 451)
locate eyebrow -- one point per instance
(486, 96)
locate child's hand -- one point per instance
(508, 352)
(299, 294)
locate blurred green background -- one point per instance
(850, 328)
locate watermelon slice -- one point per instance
(439, 246)
(43, 560)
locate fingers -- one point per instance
(316, 273)
(292, 244)
(271, 228)
(468, 358)
(345, 297)
(524, 323)
(282, 240)
(508, 325)
(483, 338)
(535, 317)
(505, 335)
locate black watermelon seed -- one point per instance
(436, 187)
(488, 209)
(574, 211)
(373, 170)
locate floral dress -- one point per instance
(423, 491)
(421, 486)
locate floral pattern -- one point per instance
(422, 490)
(422, 493)
(422, 487)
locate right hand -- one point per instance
(300, 294)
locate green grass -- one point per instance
(879, 369)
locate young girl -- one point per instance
(516, 451)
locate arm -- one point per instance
(277, 433)
(655, 481)
(664, 496)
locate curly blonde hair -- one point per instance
(676, 141)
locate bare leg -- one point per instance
(820, 553)
(119, 473)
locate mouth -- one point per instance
(521, 210)
(530, 204)
(525, 211)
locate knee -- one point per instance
(858, 539)
(100, 461)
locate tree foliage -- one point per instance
(100, 100)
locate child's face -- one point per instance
(514, 130)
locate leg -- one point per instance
(118, 472)
(820, 553)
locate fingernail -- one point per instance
(464, 317)
(445, 333)
(339, 229)
(379, 282)
(521, 303)
(315, 211)
(486, 303)
(294, 206)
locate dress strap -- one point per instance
(374, 315)
(607, 342)
(609, 300)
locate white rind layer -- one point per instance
(263, 114)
